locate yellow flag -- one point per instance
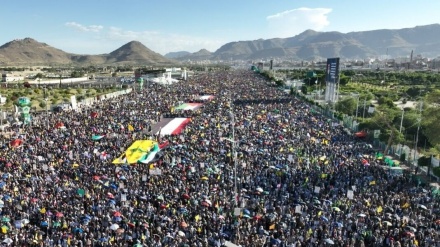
(43, 210)
(319, 213)
(379, 209)
(373, 182)
(130, 127)
(406, 205)
(272, 227)
(197, 218)
(323, 175)
(112, 239)
(68, 241)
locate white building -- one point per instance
(12, 78)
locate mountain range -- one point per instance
(312, 45)
(28, 51)
(308, 45)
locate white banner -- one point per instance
(434, 161)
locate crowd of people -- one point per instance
(254, 167)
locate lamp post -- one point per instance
(234, 154)
(401, 120)
(419, 120)
(47, 112)
(357, 102)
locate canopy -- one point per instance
(361, 134)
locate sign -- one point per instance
(332, 71)
(434, 161)
(144, 178)
(73, 102)
(376, 134)
(156, 171)
(123, 198)
(298, 209)
(317, 189)
(237, 211)
(331, 79)
(350, 194)
(290, 158)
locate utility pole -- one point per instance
(401, 120)
(365, 105)
(234, 155)
(419, 120)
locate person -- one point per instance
(253, 167)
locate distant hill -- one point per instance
(309, 45)
(31, 52)
(177, 54)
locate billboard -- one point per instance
(332, 72)
(331, 79)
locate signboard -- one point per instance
(376, 134)
(350, 194)
(331, 79)
(332, 72)
(434, 162)
(317, 189)
(156, 171)
(237, 211)
(73, 102)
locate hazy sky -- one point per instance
(101, 26)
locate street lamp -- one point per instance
(46, 99)
(356, 95)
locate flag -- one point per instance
(197, 218)
(373, 182)
(97, 137)
(272, 227)
(130, 127)
(379, 209)
(406, 205)
(158, 135)
(68, 241)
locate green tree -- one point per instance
(347, 106)
(304, 89)
(430, 118)
(384, 117)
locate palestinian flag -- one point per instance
(188, 106)
(97, 137)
